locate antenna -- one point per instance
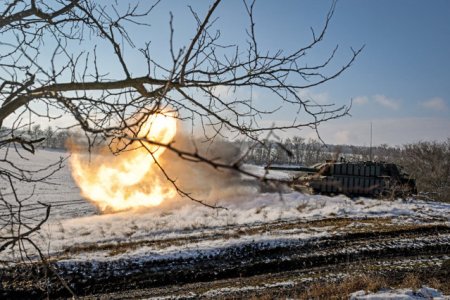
(370, 149)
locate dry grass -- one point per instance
(342, 289)
(321, 289)
(411, 281)
(371, 283)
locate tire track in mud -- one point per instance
(241, 260)
(230, 231)
(294, 284)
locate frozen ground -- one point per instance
(60, 190)
(75, 222)
(182, 230)
(424, 293)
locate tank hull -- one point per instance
(369, 179)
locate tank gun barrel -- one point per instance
(292, 168)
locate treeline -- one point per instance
(427, 162)
(54, 139)
(295, 151)
(50, 138)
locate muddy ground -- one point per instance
(377, 246)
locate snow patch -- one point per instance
(400, 294)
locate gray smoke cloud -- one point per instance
(203, 181)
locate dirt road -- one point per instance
(375, 246)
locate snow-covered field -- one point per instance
(75, 221)
(76, 231)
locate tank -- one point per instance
(363, 178)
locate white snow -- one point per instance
(75, 222)
(400, 294)
(227, 290)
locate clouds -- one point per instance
(342, 137)
(319, 98)
(387, 102)
(396, 120)
(361, 100)
(380, 100)
(392, 131)
(435, 103)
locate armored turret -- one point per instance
(364, 178)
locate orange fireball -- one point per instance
(131, 179)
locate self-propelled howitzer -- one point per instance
(363, 178)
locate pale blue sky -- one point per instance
(401, 81)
